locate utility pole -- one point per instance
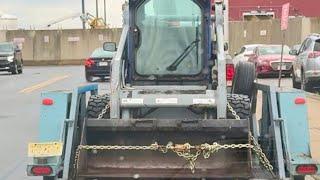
(97, 9)
(105, 13)
(83, 14)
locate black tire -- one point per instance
(96, 104)
(295, 84)
(20, 70)
(298, 177)
(241, 104)
(244, 77)
(48, 178)
(14, 69)
(305, 85)
(89, 78)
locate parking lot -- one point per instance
(20, 104)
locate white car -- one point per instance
(245, 52)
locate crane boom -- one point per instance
(72, 16)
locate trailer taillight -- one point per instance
(41, 170)
(307, 169)
(47, 101)
(229, 72)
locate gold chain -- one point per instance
(256, 147)
(188, 152)
(104, 110)
(234, 113)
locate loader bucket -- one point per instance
(157, 164)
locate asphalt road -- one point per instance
(20, 105)
(19, 111)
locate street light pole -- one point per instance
(83, 13)
(105, 13)
(97, 9)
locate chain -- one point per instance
(234, 113)
(262, 157)
(256, 147)
(104, 110)
(188, 152)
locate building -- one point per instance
(8, 22)
(245, 9)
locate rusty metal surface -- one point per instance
(212, 125)
(147, 164)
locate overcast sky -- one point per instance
(38, 13)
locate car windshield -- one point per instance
(273, 50)
(6, 47)
(100, 53)
(170, 38)
(251, 48)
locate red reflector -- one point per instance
(47, 101)
(41, 170)
(300, 100)
(307, 169)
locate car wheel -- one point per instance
(244, 77)
(295, 84)
(89, 78)
(304, 85)
(48, 178)
(14, 69)
(299, 178)
(20, 70)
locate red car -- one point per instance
(267, 60)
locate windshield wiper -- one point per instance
(185, 53)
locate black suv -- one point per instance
(10, 58)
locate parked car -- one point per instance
(99, 63)
(245, 52)
(10, 58)
(306, 68)
(267, 60)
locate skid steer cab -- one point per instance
(168, 114)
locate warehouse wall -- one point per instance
(268, 32)
(73, 46)
(51, 47)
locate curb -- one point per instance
(316, 177)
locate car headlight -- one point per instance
(10, 58)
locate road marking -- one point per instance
(43, 84)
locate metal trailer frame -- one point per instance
(281, 117)
(60, 121)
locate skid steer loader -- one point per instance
(169, 115)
